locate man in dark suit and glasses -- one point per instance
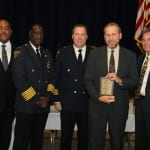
(109, 110)
(142, 96)
(7, 89)
(73, 99)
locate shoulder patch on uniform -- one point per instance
(16, 53)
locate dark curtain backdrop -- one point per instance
(59, 16)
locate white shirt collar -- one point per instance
(76, 48)
(147, 56)
(116, 49)
(8, 44)
(34, 46)
(77, 53)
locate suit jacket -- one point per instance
(96, 67)
(69, 80)
(33, 77)
(7, 88)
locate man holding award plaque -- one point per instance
(111, 71)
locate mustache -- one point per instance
(114, 46)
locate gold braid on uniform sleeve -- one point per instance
(55, 92)
(51, 88)
(28, 93)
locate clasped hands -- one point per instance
(110, 99)
(58, 106)
(43, 101)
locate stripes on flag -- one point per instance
(142, 20)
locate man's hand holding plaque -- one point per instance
(107, 99)
(107, 87)
(113, 76)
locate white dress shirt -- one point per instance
(82, 52)
(34, 48)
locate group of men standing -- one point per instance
(30, 82)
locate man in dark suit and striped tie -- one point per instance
(142, 94)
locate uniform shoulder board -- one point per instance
(61, 50)
(16, 53)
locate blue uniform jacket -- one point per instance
(33, 77)
(69, 80)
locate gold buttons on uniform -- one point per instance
(39, 81)
(68, 70)
(75, 92)
(33, 70)
(76, 80)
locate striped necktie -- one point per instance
(143, 70)
(112, 62)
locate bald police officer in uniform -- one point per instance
(33, 78)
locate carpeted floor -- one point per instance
(54, 144)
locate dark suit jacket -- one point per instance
(7, 88)
(97, 67)
(32, 76)
(69, 80)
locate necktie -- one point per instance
(143, 70)
(38, 53)
(112, 62)
(80, 56)
(4, 57)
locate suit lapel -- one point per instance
(104, 59)
(86, 54)
(121, 60)
(72, 55)
(140, 62)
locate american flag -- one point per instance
(142, 20)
